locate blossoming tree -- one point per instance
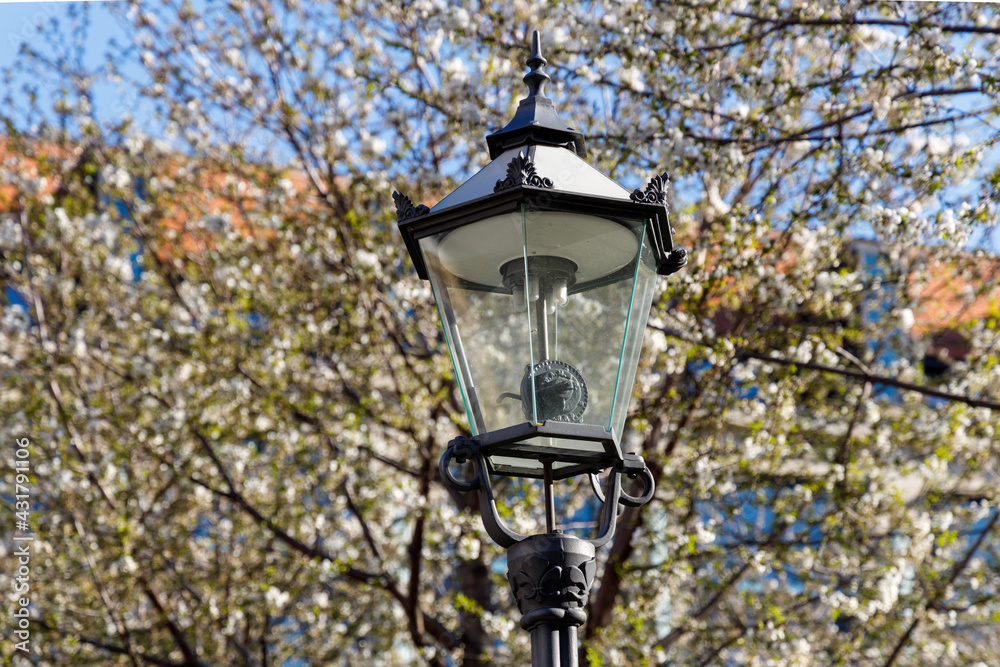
(236, 393)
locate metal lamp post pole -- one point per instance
(586, 234)
(550, 576)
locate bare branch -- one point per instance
(935, 600)
(707, 608)
(743, 353)
(853, 21)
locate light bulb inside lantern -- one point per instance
(519, 301)
(534, 293)
(560, 292)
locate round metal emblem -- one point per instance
(560, 392)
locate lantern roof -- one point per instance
(555, 168)
(536, 161)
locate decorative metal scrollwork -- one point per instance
(553, 390)
(521, 171)
(405, 210)
(550, 576)
(648, 487)
(655, 192)
(633, 467)
(676, 259)
(460, 452)
(613, 497)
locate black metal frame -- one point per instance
(509, 200)
(516, 441)
(536, 121)
(462, 450)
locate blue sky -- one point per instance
(19, 23)
(19, 28)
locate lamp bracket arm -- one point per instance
(595, 485)
(464, 449)
(615, 498)
(609, 511)
(634, 467)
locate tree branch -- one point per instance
(941, 590)
(110, 648)
(853, 21)
(684, 628)
(190, 656)
(120, 627)
(873, 378)
(743, 353)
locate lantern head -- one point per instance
(543, 270)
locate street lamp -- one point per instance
(543, 270)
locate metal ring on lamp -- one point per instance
(649, 486)
(444, 467)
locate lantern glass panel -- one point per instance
(544, 313)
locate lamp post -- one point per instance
(543, 270)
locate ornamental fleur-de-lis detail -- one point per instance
(538, 582)
(655, 192)
(405, 210)
(521, 171)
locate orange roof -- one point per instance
(220, 193)
(949, 298)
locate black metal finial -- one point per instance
(536, 121)
(537, 77)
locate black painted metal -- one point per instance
(559, 390)
(655, 192)
(521, 171)
(550, 576)
(536, 120)
(670, 260)
(536, 77)
(520, 440)
(633, 466)
(405, 210)
(461, 453)
(541, 199)
(470, 450)
(537, 123)
(674, 261)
